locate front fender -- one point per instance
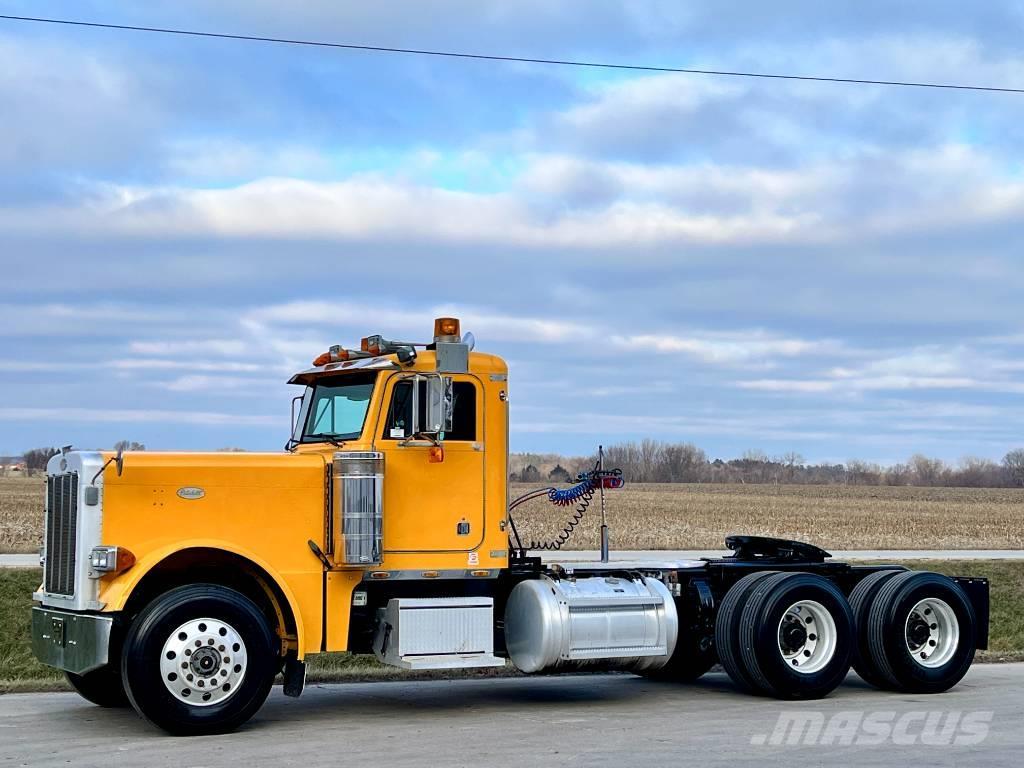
(115, 593)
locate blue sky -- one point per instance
(743, 264)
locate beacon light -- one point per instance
(447, 329)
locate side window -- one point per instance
(463, 411)
(399, 424)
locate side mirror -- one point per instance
(295, 423)
(437, 417)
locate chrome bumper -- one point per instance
(74, 642)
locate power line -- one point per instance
(519, 59)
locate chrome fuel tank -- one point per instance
(564, 623)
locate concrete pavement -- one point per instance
(896, 555)
(619, 721)
(853, 554)
(19, 561)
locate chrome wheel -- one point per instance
(932, 632)
(203, 662)
(807, 636)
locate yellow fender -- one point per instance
(116, 592)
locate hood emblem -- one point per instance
(191, 492)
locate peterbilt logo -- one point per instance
(191, 492)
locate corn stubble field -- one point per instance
(685, 516)
(696, 516)
(21, 513)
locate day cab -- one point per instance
(183, 584)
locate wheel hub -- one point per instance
(794, 636)
(203, 662)
(807, 636)
(932, 632)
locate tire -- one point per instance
(727, 628)
(222, 646)
(861, 600)
(688, 662)
(102, 686)
(921, 632)
(796, 636)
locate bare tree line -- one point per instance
(652, 461)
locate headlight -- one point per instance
(103, 560)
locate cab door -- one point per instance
(431, 505)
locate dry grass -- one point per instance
(21, 514)
(685, 516)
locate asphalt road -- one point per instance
(605, 720)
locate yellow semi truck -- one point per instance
(184, 583)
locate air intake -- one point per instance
(359, 505)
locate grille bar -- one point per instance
(61, 532)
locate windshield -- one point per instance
(338, 408)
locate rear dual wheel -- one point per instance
(787, 635)
(917, 634)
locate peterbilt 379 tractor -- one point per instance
(183, 584)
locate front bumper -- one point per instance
(74, 642)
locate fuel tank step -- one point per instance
(437, 633)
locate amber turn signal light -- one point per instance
(105, 560)
(436, 454)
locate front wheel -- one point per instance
(102, 686)
(199, 660)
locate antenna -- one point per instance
(604, 522)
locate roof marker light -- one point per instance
(447, 329)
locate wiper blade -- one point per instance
(332, 439)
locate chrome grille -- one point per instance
(61, 532)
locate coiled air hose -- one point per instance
(579, 495)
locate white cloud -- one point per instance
(625, 206)
(226, 347)
(158, 364)
(732, 347)
(141, 416)
(228, 385)
(861, 384)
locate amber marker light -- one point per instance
(370, 345)
(436, 454)
(446, 329)
(333, 355)
(107, 560)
